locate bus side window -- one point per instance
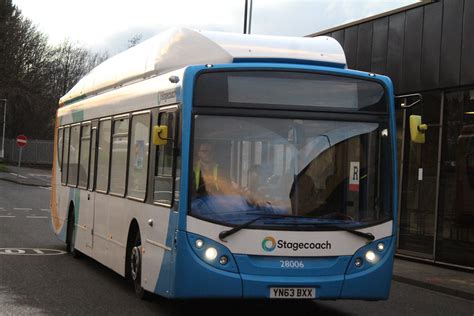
(65, 155)
(103, 156)
(84, 155)
(73, 155)
(92, 159)
(118, 169)
(138, 160)
(60, 148)
(164, 171)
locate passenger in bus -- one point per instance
(256, 190)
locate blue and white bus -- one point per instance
(213, 165)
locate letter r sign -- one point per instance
(354, 176)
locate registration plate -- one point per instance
(292, 292)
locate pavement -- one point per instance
(451, 281)
(434, 277)
(30, 176)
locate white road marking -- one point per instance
(7, 216)
(22, 209)
(39, 175)
(31, 251)
(37, 217)
(45, 188)
(45, 210)
(14, 251)
(18, 175)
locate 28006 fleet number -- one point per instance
(291, 264)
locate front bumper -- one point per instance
(253, 276)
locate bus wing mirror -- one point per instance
(417, 129)
(160, 135)
(408, 100)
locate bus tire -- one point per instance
(71, 227)
(135, 266)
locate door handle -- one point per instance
(88, 196)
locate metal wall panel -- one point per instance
(425, 48)
(430, 51)
(339, 36)
(412, 50)
(467, 53)
(451, 37)
(350, 46)
(379, 46)
(396, 32)
(364, 46)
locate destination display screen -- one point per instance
(278, 89)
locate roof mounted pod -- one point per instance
(180, 47)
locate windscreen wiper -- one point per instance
(367, 236)
(226, 233)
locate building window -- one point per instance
(138, 162)
(119, 156)
(103, 156)
(455, 237)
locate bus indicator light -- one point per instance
(223, 260)
(199, 243)
(380, 246)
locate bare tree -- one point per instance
(34, 75)
(136, 39)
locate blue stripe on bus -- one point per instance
(290, 61)
(187, 97)
(165, 279)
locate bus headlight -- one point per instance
(370, 256)
(211, 253)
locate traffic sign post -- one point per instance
(21, 142)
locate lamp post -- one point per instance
(248, 17)
(4, 123)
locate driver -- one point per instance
(206, 171)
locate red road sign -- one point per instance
(21, 140)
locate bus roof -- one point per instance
(180, 47)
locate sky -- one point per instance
(108, 25)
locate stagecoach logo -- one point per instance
(167, 97)
(269, 244)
